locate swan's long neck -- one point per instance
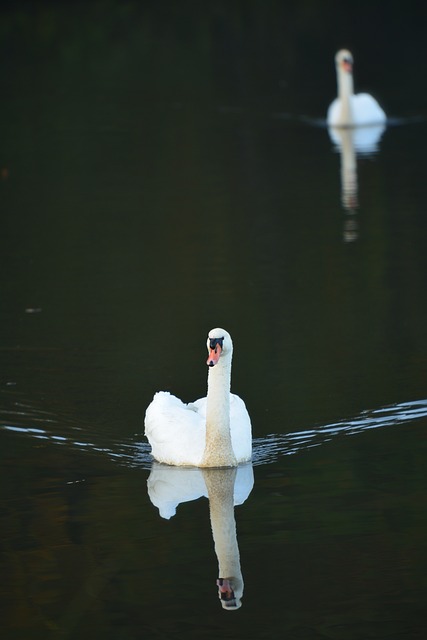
(220, 486)
(345, 93)
(218, 449)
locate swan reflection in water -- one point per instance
(350, 142)
(225, 488)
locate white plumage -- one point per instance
(349, 109)
(214, 431)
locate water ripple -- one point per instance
(25, 419)
(272, 447)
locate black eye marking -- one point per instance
(214, 341)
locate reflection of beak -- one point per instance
(226, 594)
(213, 356)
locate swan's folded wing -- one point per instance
(199, 406)
(333, 114)
(241, 429)
(366, 110)
(175, 431)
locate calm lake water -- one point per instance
(163, 172)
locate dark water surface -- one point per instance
(164, 172)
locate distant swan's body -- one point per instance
(214, 431)
(349, 109)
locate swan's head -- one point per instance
(344, 61)
(230, 591)
(219, 345)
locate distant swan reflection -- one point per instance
(350, 141)
(225, 488)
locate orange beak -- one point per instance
(213, 356)
(347, 66)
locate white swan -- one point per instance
(212, 432)
(348, 109)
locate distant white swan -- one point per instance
(214, 431)
(349, 109)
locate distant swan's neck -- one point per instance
(345, 94)
(218, 449)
